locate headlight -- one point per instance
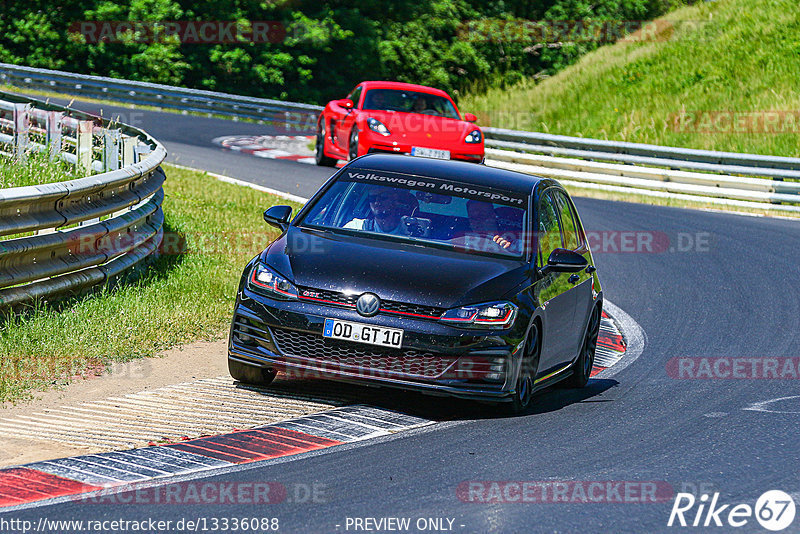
(490, 315)
(475, 136)
(265, 280)
(377, 126)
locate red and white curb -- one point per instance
(288, 147)
(94, 472)
(611, 346)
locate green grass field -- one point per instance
(182, 298)
(738, 57)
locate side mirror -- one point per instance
(562, 260)
(346, 103)
(469, 117)
(278, 216)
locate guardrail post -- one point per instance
(53, 133)
(111, 146)
(128, 153)
(21, 127)
(83, 147)
(141, 152)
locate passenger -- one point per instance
(483, 222)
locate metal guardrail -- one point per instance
(719, 178)
(771, 183)
(300, 117)
(63, 237)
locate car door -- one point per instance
(581, 281)
(553, 290)
(345, 120)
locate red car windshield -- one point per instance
(410, 102)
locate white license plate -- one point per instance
(430, 153)
(363, 333)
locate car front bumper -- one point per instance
(376, 143)
(435, 358)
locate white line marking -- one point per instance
(762, 405)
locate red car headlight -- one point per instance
(475, 136)
(377, 126)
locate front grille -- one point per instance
(413, 309)
(332, 297)
(324, 296)
(335, 354)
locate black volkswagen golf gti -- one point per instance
(443, 277)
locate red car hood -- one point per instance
(422, 130)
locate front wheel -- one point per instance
(582, 368)
(319, 150)
(523, 391)
(251, 374)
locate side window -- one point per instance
(355, 95)
(548, 230)
(567, 221)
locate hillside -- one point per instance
(726, 78)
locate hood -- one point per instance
(394, 271)
(422, 130)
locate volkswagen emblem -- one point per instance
(368, 304)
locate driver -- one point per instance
(420, 105)
(377, 100)
(386, 209)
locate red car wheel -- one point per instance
(353, 146)
(319, 150)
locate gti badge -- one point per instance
(368, 304)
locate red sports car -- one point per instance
(399, 118)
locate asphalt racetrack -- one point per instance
(721, 287)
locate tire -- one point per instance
(582, 368)
(319, 150)
(523, 391)
(251, 374)
(352, 147)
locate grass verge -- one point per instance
(181, 298)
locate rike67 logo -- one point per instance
(774, 510)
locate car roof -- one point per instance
(401, 85)
(458, 171)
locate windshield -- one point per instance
(427, 211)
(410, 102)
